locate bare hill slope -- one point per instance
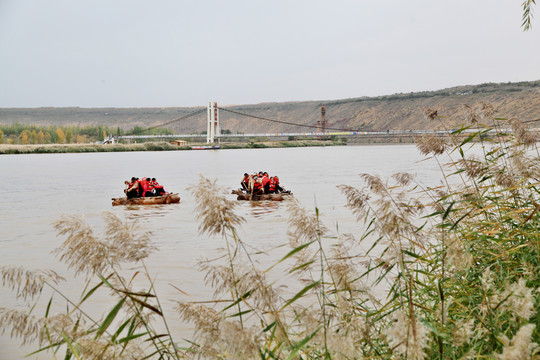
(393, 112)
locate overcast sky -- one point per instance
(135, 53)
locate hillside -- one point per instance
(394, 112)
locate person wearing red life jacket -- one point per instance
(157, 189)
(278, 188)
(132, 190)
(150, 187)
(145, 187)
(272, 186)
(265, 183)
(257, 186)
(245, 182)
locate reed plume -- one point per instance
(215, 213)
(22, 324)
(28, 283)
(86, 253)
(521, 347)
(430, 144)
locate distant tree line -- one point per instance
(24, 134)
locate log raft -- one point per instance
(154, 200)
(259, 197)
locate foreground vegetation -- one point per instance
(447, 272)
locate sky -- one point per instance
(135, 53)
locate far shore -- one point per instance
(7, 149)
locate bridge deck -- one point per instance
(390, 133)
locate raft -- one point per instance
(260, 197)
(154, 200)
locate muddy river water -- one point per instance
(39, 189)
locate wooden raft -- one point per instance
(260, 197)
(154, 200)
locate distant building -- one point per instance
(178, 142)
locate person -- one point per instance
(256, 186)
(144, 187)
(150, 192)
(265, 181)
(278, 188)
(132, 189)
(272, 186)
(157, 189)
(245, 182)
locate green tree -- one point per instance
(34, 137)
(48, 138)
(40, 137)
(69, 135)
(24, 137)
(100, 133)
(61, 136)
(137, 130)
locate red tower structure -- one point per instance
(321, 124)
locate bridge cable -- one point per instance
(313, 126)
(175, 120)
(286, 122)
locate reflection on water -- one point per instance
(146, 213)
(54, 184)
(263, 208)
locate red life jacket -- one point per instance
(265, 180)
(144, 186)
(256, 185)
(272, 187)
(276, 179)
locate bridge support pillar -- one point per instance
(213, 130)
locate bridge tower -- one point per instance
(212, 125)
(321, 124)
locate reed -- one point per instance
(444, 272)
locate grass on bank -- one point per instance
(448, 272)
(151, 146)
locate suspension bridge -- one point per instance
(214, 134)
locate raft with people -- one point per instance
(259, 187)
(145, 191)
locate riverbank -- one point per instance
(6, 149)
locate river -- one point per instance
(39, 188)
